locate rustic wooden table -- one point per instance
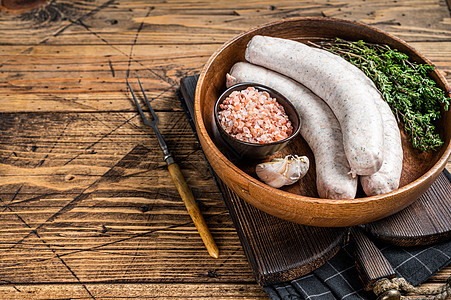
(87, 207)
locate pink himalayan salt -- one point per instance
(253, 116)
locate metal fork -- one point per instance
(154, 123)
(177, 176)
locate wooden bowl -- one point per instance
(256, 151)
(299, 202)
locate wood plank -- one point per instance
(133, 291)
(95, 82)
(149, 290)
(74, 84)
(169, 17)
(83, 138)
(371, 264)
(99, 94)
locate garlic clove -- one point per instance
(286, 171)
(271, 172)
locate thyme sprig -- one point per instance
(405, 85)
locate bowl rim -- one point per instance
(200, 124)
(261, 87)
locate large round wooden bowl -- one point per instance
(300, 203)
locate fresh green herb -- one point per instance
(406, 86)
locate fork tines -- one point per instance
(152, 123)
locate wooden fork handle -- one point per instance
(193, 209)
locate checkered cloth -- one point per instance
(338, 278)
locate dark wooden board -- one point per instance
(426, 221)
(277, 250)
(370, 262)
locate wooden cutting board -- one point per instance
(279, 251)
(426, 221)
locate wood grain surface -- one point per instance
(87, 207)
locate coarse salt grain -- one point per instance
(253, 116)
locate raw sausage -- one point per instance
(388, 177)
(319, 127)
(340, 88)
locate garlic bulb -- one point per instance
(283, 171)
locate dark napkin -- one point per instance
(338, 277)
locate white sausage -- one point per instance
(387, 178)
(340, 88)
(319, 127)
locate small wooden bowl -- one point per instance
(300, 202)
(253, 150)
